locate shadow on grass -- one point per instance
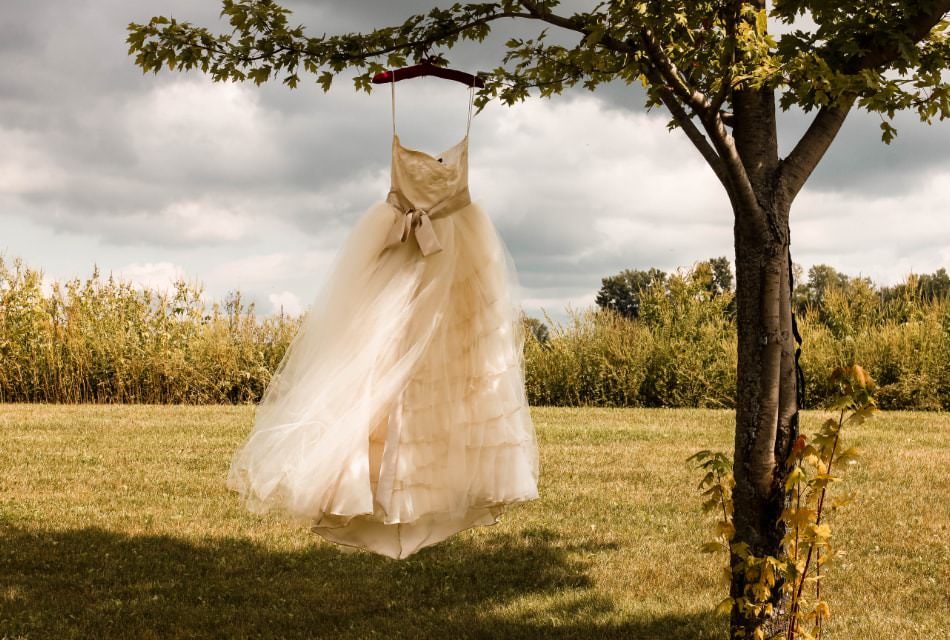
(95, 583)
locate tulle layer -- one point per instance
(398, 416)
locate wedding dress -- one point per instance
(398, 415)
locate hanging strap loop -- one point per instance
(392, 84)
(471, 103)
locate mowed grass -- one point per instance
(115, 523)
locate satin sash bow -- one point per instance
(411, 220)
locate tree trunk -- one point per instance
(766, 399)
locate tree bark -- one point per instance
(766, 398)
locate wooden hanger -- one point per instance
(427, 68)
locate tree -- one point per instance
(936, 285)
(721, 279)
(927, 286)
(621, 292)
(715, 274)
(716, 68)
(537, 328)
(821, 279)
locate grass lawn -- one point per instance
(115, 523)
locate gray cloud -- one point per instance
(103, 164)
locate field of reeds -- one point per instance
(105, 341)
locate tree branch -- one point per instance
(794, 170)
(728, 56)
(675, 92)
(722, 141)
(606, 41)
(543, 13)
(725, 146)
(164, 42)
(695, 98)
(695, 136)
(440, 35)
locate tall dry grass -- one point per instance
(908, 356)
(680, 352)
(102, 340)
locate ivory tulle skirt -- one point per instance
(398, 416)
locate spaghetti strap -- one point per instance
(392, 84)
(471, 102)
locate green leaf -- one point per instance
(595, 36)
(888, 132)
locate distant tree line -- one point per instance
(825, 281)
(622, 292)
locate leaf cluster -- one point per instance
(887, 55)
(880, 51)
(262, 44)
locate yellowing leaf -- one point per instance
(848, 456)
(821, 531)
(724, 607)
(800, 517)
(712, 547)
(725, 529)
(761, 22)
(795, 476)
(824, 479)
(860, 375)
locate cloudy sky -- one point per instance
(153, 178)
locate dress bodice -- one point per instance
(425, 188)
(424, 179)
